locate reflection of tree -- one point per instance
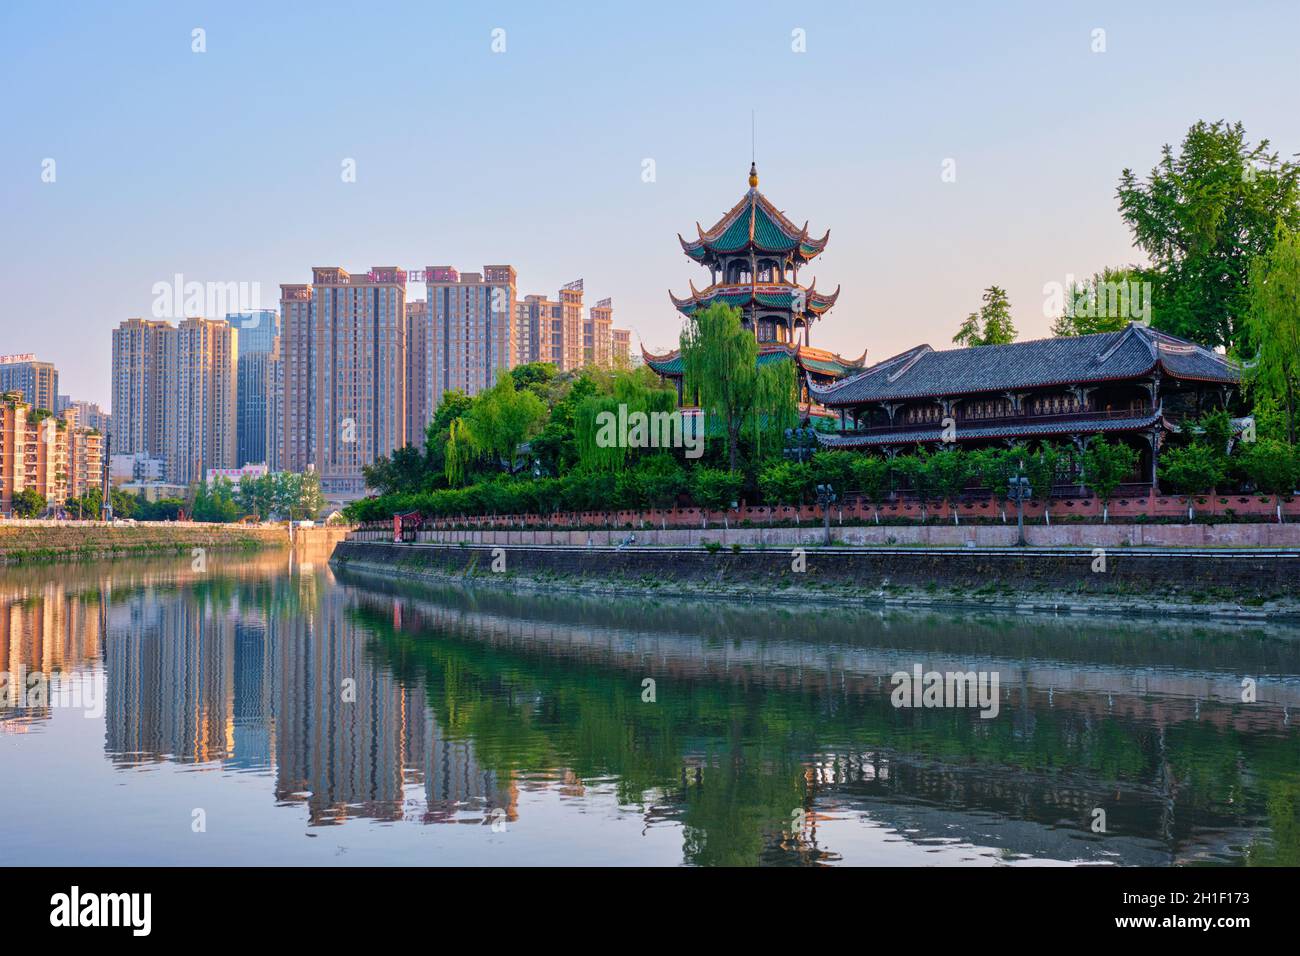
(729, 759)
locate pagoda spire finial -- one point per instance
(753, 175)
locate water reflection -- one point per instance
(771, 738)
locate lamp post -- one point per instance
(800, 443)
(825, 498)
(1018, 491)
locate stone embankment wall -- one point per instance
(1261, 535)
(24, 542)
(1197, 575)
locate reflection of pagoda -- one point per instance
(753, 255)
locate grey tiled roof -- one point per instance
(1107, 356)
(1066, 426)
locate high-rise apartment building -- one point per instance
(596, 343)
(259, 338)
(85, 453)
(343, 348)
(139, 347)
(200, 422)
(38, 381)
(296, 375)
(419, 406)
(470, 336)
(620, 347)
(174, 394)
(570, 329)
(55, 456)
(89, 414)
(539, 330)
(275, 410)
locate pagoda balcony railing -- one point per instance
(1084, 419)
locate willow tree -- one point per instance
(642, 407)
(720, 369)
(496, 423)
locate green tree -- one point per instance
(1201, 216)
(786, 482)
(991, 325)
(1041, 467)
(501, 419)
(1105, 468)
(996, 467)
(1191, 470)
(1273, 324)
(28, 503)
(1105, 303)
(720, 367)
(714, 489)
(871, 476)
(637, 397)
(1272, 467)
(919, 473)
(950, 470)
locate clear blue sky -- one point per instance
(225, 166)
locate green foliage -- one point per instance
(871, 476)
(715, 489)
(279, 495)
(1273, 324)
(1041, 467)
(1105, 303)
(28, 503)
(991, 325)
(996, 467)
(1201, 216)
(950, 469)
(786, 482)
(215, 502)
(636, 399)
(1107, 465)
(1193, 469)
(1271, 466)
(720, 368)
(834, 468)
(500, 420)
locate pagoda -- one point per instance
(754, 254)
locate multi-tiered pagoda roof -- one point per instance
(753, 254)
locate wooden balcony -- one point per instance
(1012, 421)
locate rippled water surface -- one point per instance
(268, 713)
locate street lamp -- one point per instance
(800, 443)
(825, 498)
(1018, 490)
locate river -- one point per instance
(264, 711)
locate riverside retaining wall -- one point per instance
(1237, 575)
(1260, 535)
(57, 541)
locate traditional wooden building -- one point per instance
(754, 254)
(1136, 385)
